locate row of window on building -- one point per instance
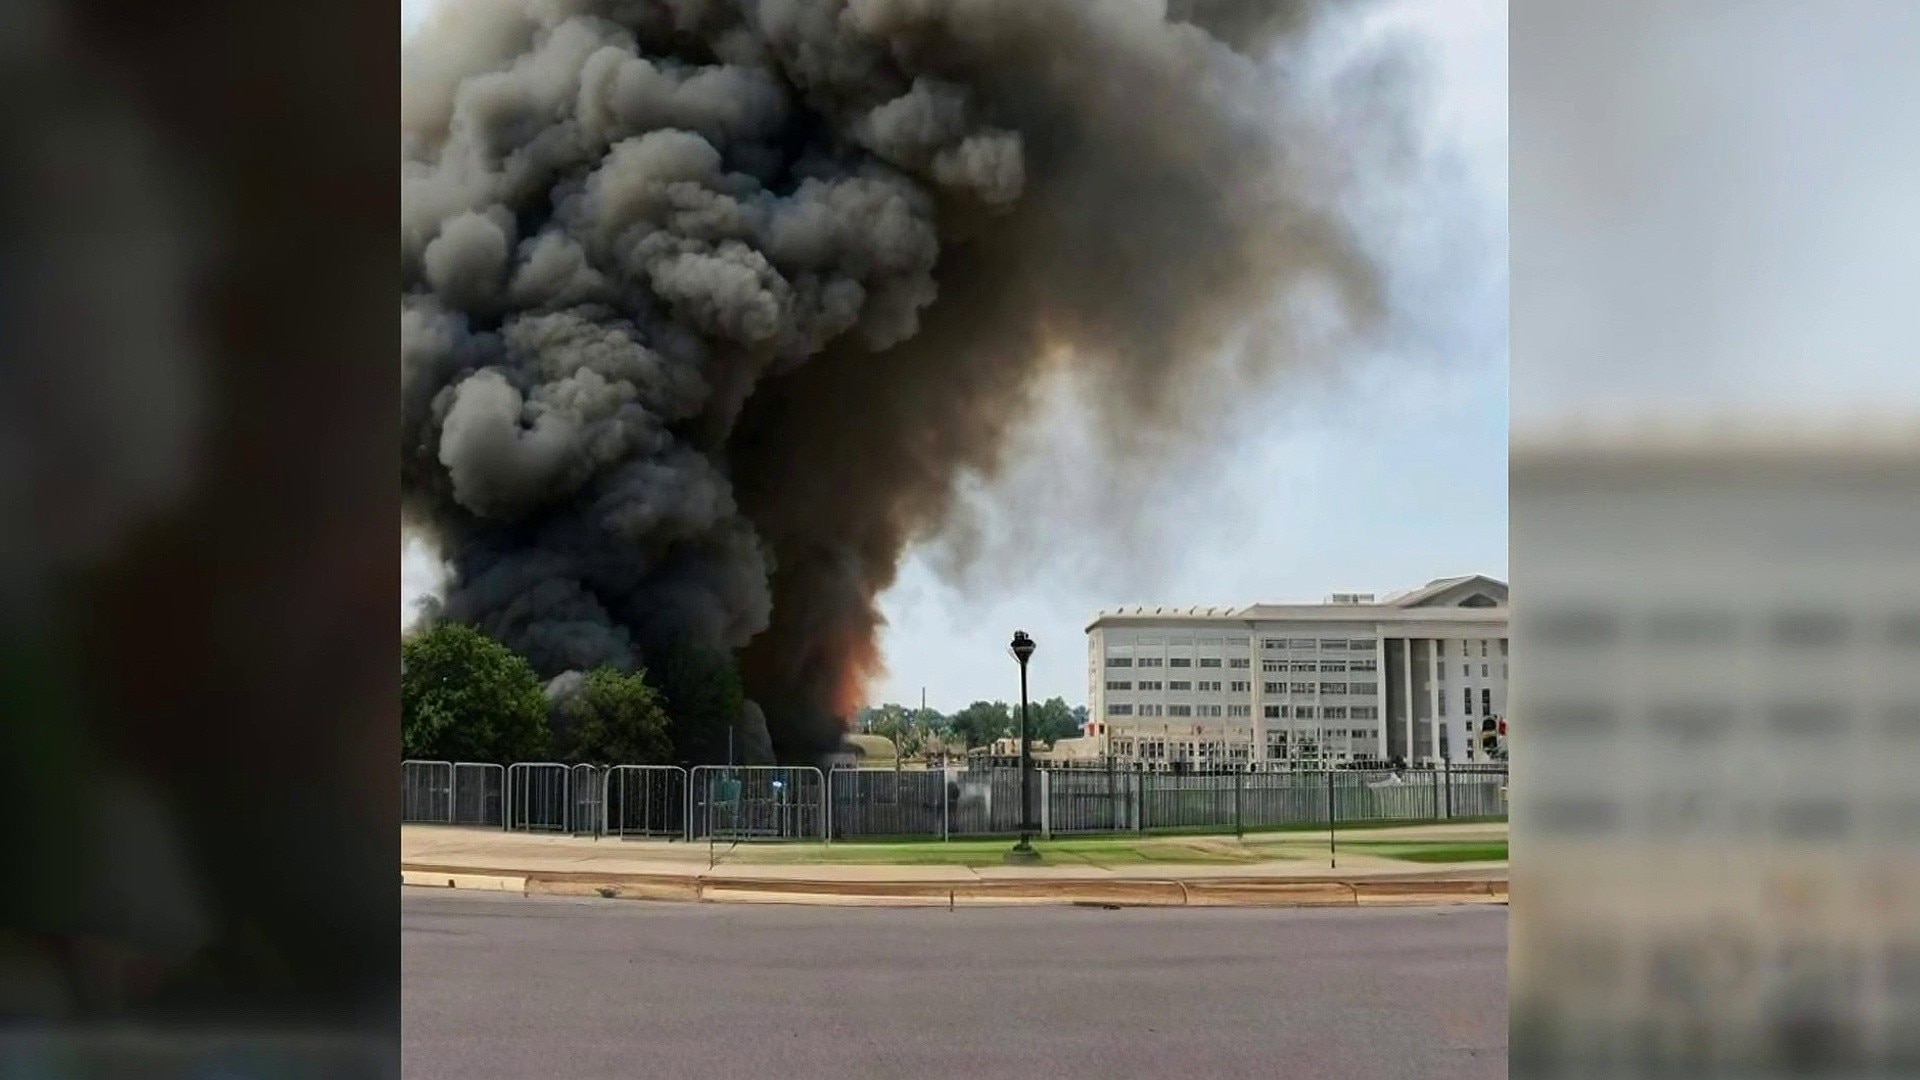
(1236, 686)
(1268, 666)
(1204, 686)
(1321, 712)
(1241, 712)
(1126, 708)
(1234, 712)
(1333, 745)
(1466, 650)
(1343, 645)
(1152, 685)
(1324, 644)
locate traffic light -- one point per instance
(1489, 737)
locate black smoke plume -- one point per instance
(709, 302)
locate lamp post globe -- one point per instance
(1022, 648)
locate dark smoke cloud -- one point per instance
(710, 302)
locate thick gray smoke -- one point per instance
(709, 302)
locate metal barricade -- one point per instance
(986, 801)
(426, 792)
(586, 799)
(479, 794)
(888, 802)
(537, 796)
(645, 800)
(757, 802)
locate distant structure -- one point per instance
(860, 750)
(1416, 677)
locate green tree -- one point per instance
(701, 692)
(1049, 721)
(612, 718)
(466, 697)
(980, 723)
(901, 725)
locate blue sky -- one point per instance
(1388, 472)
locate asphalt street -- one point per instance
(519, 987)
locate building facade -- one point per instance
(1412, 677)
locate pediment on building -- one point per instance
(1471, 591)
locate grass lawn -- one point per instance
(1320, 827)
(1110, 851)
(1437, 852)
(1099, 851)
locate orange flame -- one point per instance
(860, 663)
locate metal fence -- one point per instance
(537, 797)
(479, 794)
(986, 801)
(757, 802)
(450, 793)
(645, 800)
(426, 791)
(586, 799)
(798, 802)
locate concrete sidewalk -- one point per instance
(652, 869)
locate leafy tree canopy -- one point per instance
(612, 718)
(904, 726)
(1049, 721)
(980, 723)
(466, 697)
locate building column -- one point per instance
(1379, 725)
(1406, 651)
(1255, 695)
(1433, 693)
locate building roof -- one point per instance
(1463, 598)
(870, 746)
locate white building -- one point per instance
(1354, 678)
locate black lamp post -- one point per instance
(1022, 649)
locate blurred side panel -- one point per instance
(1715, 739)
(1715, 510)
(198, 701)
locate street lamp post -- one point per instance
(1022, 649)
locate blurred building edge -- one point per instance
(1715, 817)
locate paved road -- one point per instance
(558, 989)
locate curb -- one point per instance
(1243, 892)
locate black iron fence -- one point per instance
(790, 803)
(986, 801)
